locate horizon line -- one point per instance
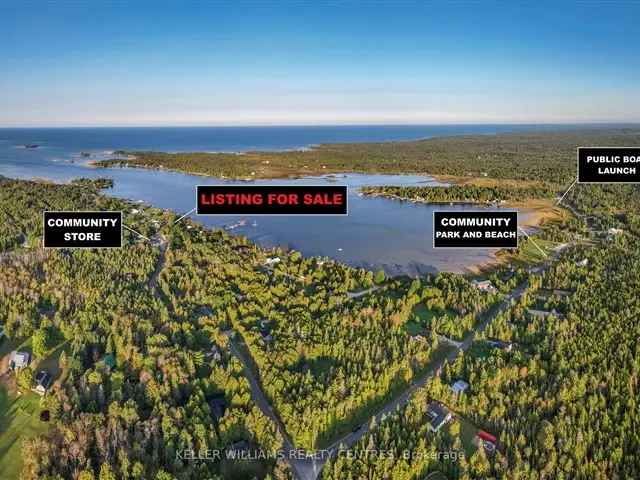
(347, 124)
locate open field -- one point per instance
(19, 420)
(467, 434)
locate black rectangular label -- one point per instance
(272, 200)
(475, 229)
(82, 229)
(608, 165)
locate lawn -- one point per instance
(50, 362)
(440, 353)
(468, 432)
(480, 349)
(7, 345)
(528, 253)
(423, 314)
(422, 317)
(414, 328)
(19, 420)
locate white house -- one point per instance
(19, 360)
(506, 346)
(484, 286)
(460, 386)
(43, 382)
(272, 261)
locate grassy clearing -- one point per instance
(440, 353)
(20, 413)
(19, 420)
(414, 328)
(468, 432)
(422, 318)
(528, 253)
(50, 362)
(480, 349)
(8, 345)
(423, 314)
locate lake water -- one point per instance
(377, 233)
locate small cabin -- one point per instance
(487, 441)
(19, 360)
(484, 286)
(43, 382)
(506, 346)
(543, 313)
(460, 386)
(271, 261)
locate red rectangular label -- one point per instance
(272, 200)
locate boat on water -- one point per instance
(233, 226)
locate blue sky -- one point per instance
(218, 63)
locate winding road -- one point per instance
(307, 466)
(162, 243)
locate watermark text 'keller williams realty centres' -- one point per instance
(246, 454)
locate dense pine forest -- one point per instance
(562, 403)
(134, 379)
(138, 340)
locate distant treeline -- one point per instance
(463, 193)
(98, 183)
(537, 156)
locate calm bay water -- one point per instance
(378, 233)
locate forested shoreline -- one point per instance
(139, 340)
(142, 362)
(531, 156)
(463, 193)
(134, 380)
